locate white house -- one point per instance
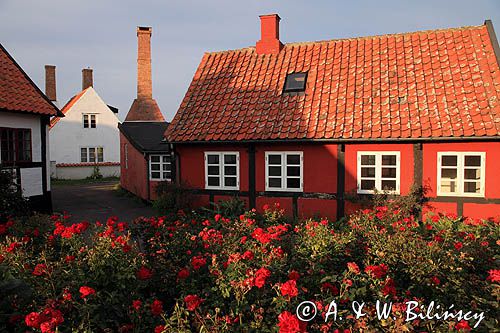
(25, 114)
(87, 139)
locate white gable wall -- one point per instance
(68, 135)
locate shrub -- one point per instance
(172, 197)
(12, 202)
(96, 173)
(199, 273)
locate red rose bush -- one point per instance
(249, 272)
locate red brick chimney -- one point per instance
(144, 107)
(50, 82)
(269, 42)
(87, 78)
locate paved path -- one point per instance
(97, 201)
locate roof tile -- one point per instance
(440, 83)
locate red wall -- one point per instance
(320, 174)
(492, 149)
(134, 178)
(492, 181)
(406, 163)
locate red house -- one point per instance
(145, 157)
(304, 124)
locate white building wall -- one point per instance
(31, 178)
(78, 172)
(68, 135)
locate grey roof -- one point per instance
(146, 136)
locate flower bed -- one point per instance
(249, 273)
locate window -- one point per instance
(89, 121)
(91, 154)
(295, 82)
(15, 145)
(284, 171)
(222, 170)
(378, 171)
(461, 174)
(160, 167)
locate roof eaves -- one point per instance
(130, 139)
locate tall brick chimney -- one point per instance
(87, 78)
(144, 82)
(144, 107)
(50, 82)
(269, 42)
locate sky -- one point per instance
(101, 34)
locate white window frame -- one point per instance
(378, 171)
(460, 173)
(87, 152)
(89, 115)
(161, 171)
(284, 174)
(221, 171)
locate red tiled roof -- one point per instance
(17, 92)
(68, 106)
(65, 165)
(428, 84)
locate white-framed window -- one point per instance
(284, 171)
(461, 174)
(91, 154)
(378, 170)
(160, 167)
(125, 152)
(222, 170)
(89, 120)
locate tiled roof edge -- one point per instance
(468, 27)
(58, 112)
(493, 39)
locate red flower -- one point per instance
(389, 288)
(160, 329)
(198, 262)
(157, 307)
(353, 267)
(33, 320)
(289, 323)
(136, 305)
(40, 270)
(13, 246)
(435, 280)
(70, 258)
(328, 286)
(183, 274)
(192, 302)
(458, 245)
(378, 271)
(289, 288)
(462, 325)
(260, 277)
(144, 273)
(67, 295)
(86, 291)
(248, 255)
(294, 275)
(494, 275)
(217, 217)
